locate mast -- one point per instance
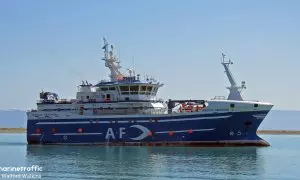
(112, 62)
(234, 90)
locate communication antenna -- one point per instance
(133, 67)
(119, 53)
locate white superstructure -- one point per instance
(130, 95)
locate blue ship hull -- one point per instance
(195, 129)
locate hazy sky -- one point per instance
(53, 45)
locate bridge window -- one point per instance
(124, 89)
(112, 88)
(104, 88)
(143, 89)
(154, 91)
(255, 105)
(232, 105)
(134, 89)
(149, 89)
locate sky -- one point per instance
(54, 45)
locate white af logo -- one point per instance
(111, 135)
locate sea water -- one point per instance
(279, 161)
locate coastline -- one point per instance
(275, 132)
(13, 130)
(279, 132)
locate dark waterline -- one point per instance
(279, 161)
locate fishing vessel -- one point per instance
(125, 110)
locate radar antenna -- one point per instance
(130, 71)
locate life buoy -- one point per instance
(80, 130)
(53, 130)
(38, 130)
(171, 133)
(190, 131)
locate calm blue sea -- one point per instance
(280, 161)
